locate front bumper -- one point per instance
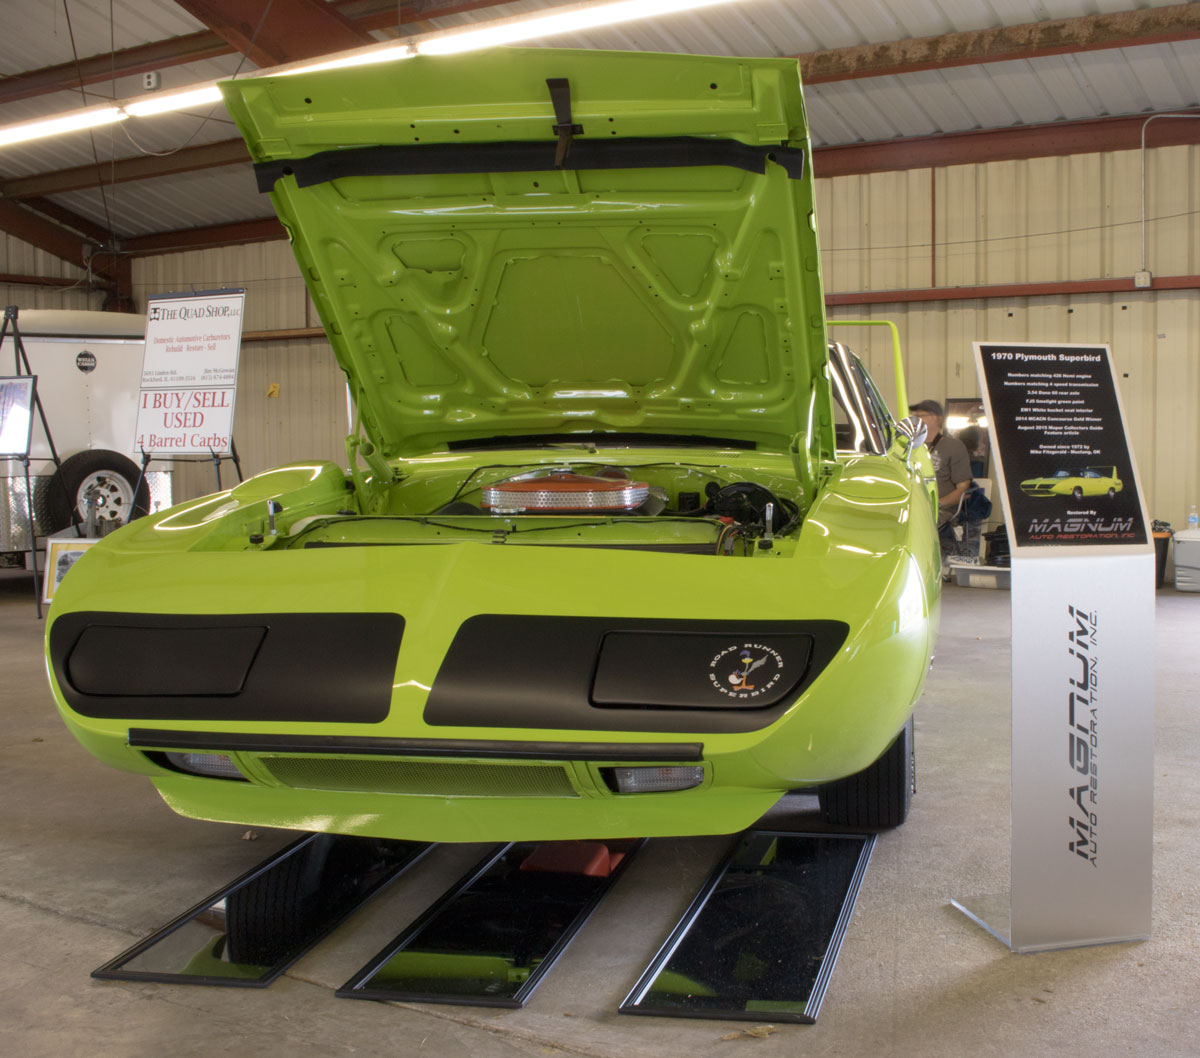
(358, 775)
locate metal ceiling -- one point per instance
(937, 100)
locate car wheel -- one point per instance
(266, 917)
(107, 480)
(287, 906)
(1077, 492)
(1111, 493)
(878, 796)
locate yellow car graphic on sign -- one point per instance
(1091, 481)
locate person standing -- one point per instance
(951, 465)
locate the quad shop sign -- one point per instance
(189, 375)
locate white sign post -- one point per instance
(1083, 576)
(189, 374)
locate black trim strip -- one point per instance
(600, 439)
(484, 684)
(666, 152)
(309, 667)
(214, 741)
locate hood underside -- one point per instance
(530, 241)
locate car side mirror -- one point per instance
(914, 429)
(911, 433)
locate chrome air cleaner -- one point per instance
(564, 492)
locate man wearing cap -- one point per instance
(951, 464)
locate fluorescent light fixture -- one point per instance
(71, 122)
(195, 96)
(358, 57)
(562, 20)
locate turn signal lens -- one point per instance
(214, 765)
(657, 779)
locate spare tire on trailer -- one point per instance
(109, 477)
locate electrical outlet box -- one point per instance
(1142, 280)
(151, 80)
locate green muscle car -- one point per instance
(625, 546)
(1090, 481)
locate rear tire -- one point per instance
(878, 796)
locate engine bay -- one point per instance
(669, 507)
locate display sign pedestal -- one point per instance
(1082, 755)
(1083, 713)
(1083, 579)
(993, 913)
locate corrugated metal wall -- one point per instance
(306, 418)
(1155, 341)
(1036, 221)
(19, 258)
(1041, 220)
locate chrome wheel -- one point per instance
(107, 497)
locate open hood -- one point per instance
(531, 241)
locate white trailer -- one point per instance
(88, 367)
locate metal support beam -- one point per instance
(286, 334)
(120, 268)
(137, 167)
(402, 14)
(234, 234)
(270, 32)
(19, 279)
(157, 55)
(38, 231)
(1006, 292)
(69, 219)
(1119, 29)
(363, 15)
(108, 269)
(1099, 135)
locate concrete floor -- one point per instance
(92, 860)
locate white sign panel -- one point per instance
(189, 373)
(1083, 749)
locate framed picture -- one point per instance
(16, 415)
(61, 554)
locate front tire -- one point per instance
(1077, 493)
(879, 795)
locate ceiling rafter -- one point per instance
(1029, 40)
(70, 219)
(122, 170)
(44, 234)
(21, 279)
(108, 270)
(363, 15)
(233, 234)
(270, 32)
(1095, 135)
